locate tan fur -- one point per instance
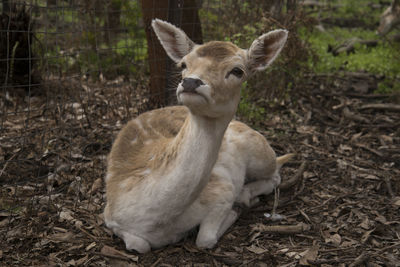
(168, 122)
(131, 156)
(217, 51)
(174, 168)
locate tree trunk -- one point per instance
(6, 6)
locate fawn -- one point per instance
(176, 168)
(390, 18)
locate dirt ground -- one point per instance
(342, 210)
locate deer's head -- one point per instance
(212, 73)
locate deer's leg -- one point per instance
(217, 198)
(134, 242)
(214, 226)
(229, 220)
(264, 187)
(251, 191)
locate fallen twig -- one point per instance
(389, 187)
(350, 115)
(359, 260)
(5, 165)
(376, 152)
(276, 200)
(328, 261)
(282, 229)
(292, 181)
(382, 106)
(113, 253)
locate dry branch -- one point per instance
(359, 260)
(292, 181)
(114, 253)
(282, 229)
(376, 152)
(356, 117)
(382, 106)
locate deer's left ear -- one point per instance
(175, 42)
(265, 49)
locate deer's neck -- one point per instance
(196, 148)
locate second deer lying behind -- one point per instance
(172, 169)
(390, 18)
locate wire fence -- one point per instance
(71, 74)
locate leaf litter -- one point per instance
(340, 208)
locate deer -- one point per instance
(176, 168)
(390, 18)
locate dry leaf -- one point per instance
(368, 176)
(396, 201)
(4, 222)
(349, 243)
(308, 174)
(305, 129)
(81, 261)
(283, 250)
(366, 235)
(112, 252)
(91, 245)
(66, 215)
(96, 185)
(292, 254)
(366, 224)
(310, 254)
(256, 250)
(336, 239)
(71, 263)
(343, 148)
(62, 237)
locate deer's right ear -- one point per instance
(174, 40)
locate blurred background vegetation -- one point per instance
(106, 39)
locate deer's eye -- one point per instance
(183, 65)
(236, 71)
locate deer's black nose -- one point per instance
(189, 84)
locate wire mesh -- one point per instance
(72, 73)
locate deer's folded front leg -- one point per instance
(215, 225)
(251, 191)
(217, 201)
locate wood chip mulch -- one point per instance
(341, 210)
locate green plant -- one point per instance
(381, 60)
(248, 109)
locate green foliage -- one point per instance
(388, 86)
(248, 109)
(363, 10)
(381, 60)
(241, 22)
(378, 60)
(78, 40)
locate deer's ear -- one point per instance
(265, 49)
(174, 40)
